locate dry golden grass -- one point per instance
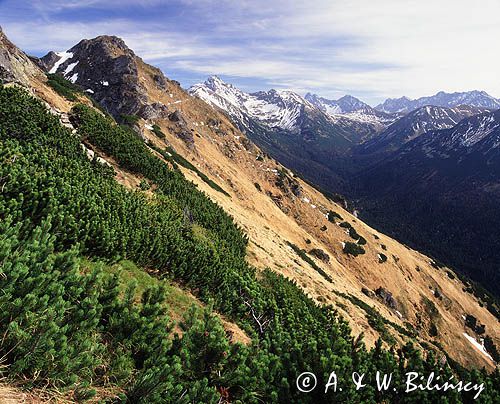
(230, 161)
(228, 158)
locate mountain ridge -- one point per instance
(416, 123)
(473, 98)
(292, 228)
(439, 179)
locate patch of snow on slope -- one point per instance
(274, 108)
(477, 345)
(70, 68)
(63, 57)
(74, 78)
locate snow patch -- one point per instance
(64, 56)
(105, 83)
(477, 345)
(70, 68)
(88, 90)
(74, 78)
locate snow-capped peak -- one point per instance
(474, 98)
(351, 109)
(343, 105)
(275, 108)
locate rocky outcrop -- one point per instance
(386, 298)
(15, 65)
(154, 111)
(45, 63)
(107, 69)
(181, 130)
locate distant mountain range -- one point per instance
(416, 123)
(285, 109)
(422, 169)
(479, 99)
(440, 192)
(275, 109)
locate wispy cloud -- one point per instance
(369, 49)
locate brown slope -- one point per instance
(275, 216)
(290, 211)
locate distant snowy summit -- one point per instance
(351, 108)
(287, 110)
(480, 99)
(274, 108)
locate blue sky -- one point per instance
(370, 49)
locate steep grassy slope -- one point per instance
(275, 209)
(67, 209)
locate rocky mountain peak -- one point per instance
(108, 70)
(343, 105)
(348, 103)
(108, 44)
(214, 82)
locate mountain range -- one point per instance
(416, 123)
(285, 109)
(201, 193)
(474, 98)
(385, 142)
(447, 184)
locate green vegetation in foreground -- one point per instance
(173, 157)
(63, 87)
(303, 254)
(82, 329)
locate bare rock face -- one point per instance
(386, 297)
(154, 111)
(46, 62)
(105, 68)
(15, 65)
(181, 128)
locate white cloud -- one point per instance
(372, 49)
